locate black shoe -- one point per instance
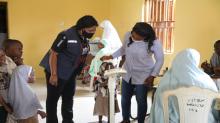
(125, 121)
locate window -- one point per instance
(160, 15)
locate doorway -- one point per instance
(3, 22)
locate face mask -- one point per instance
(87, 35)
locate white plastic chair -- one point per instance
(194, 104)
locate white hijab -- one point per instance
(22, 98)
(111, 42)
(110, 34)
(184, 72)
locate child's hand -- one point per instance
(18, 61)
(9, 109)
(31, 80)
(42, 114)
(5, 105)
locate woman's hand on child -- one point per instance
(106, 58)
(53, 80)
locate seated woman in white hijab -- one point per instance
(22, 98)
(111, 43)
(184, 72)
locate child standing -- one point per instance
(4, 85)
(14, 50)
(101, 89)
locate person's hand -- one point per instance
(9, 109)
(207, 68)
(205, 65)
(42, 114)
(18, 60)
(149, 81)
(53, 80)
(31, 79)
(106, 58)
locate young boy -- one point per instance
(4, 86)
(13, 50)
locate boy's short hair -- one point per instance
(9, 42)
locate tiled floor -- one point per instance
(83, 104)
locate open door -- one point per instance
(3, 22)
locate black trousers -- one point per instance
(65, 89)
(3, 114)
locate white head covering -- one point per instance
(21, 96)
(96, 62)
(110, 34)
(184, 72)
(111, 42)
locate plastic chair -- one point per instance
(194, 104)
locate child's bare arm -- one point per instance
(1, 100)
(5, 105)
